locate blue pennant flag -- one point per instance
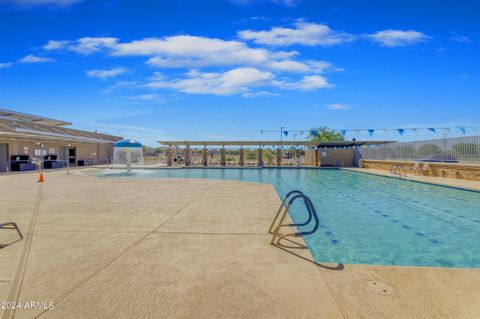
(343, 132)
(370, 131)
(401, 131)
(314, 132)
(462, 129)
(285, 132)
(432, 129)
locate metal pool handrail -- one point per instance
(271, 228)
(312, 214)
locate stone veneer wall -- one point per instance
(449, 170)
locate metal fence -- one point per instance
(453, 150)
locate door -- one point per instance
(3, 157)
(72, 155)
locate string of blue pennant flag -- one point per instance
(371, 131)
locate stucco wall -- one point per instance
(449, 170)
(101, 152)
(337, 157)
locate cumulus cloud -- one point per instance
(237, 67)
(187, 51)
(306, 83)
(86, 45)
(107, 73)
(6, 65)
(234, 81)
(303, 33)
(397, 38)
(34, 59)
(338, 107)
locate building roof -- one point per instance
(27, 130)
(24, 117)
(273, 143)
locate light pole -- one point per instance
(281, 134)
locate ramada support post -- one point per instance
(222, 156)
(297, 157)
(169, 156)
(241, 157)
(186, 155)
(260, 156)
(279, 156)
(205, 156)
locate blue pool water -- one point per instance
(366, 218)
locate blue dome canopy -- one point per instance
(128, 143)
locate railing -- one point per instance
(458, 149)
(277, 223)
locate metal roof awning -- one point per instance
(273, 143)
(14, 115)
(10, 129)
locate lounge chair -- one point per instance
(20, 163)
(50, 161)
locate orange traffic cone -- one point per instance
(41, 179)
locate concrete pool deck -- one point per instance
(121, 248)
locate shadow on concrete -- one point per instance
(293, 245)
(10, 226)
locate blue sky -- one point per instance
(214, 70)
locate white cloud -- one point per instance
(34, 59)
(312, 82)
(55, 45)
(122, 85)
(147, 98)
(107, 73)
(259, 94)
(86, 45)
(5, 65)
(462, 39)
(338, 107)
(306, 83)
(304, 33)
(248, 67)
(234, 81)
(397, 38)
(59, 3)
(187, 51)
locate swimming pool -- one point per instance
(367, 219)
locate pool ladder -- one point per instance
(282, 213)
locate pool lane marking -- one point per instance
(122, 253)
(19, 275)
(416, 203)
(418, 233)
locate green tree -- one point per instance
(326, 134)
(250, 154)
